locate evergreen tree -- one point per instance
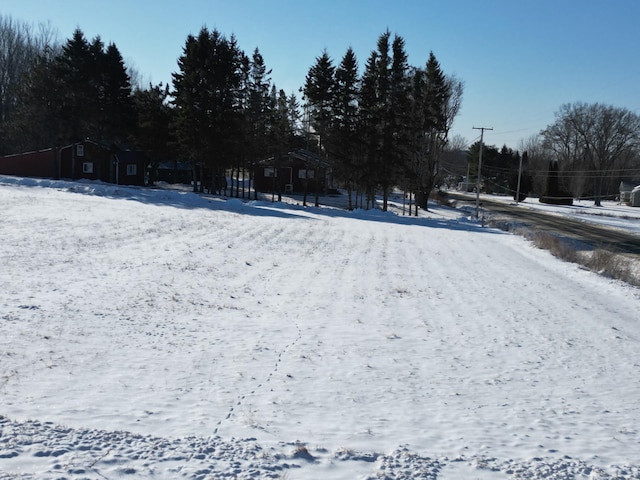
(370, 126)
(207, 97)
(384, 100)
(344, 131)
(293, 111)
(280, 136)
(82, 92)
(153, 132)
(398, 118)
(75, 68)
(436, 98)
(259, 106)
(383, 159)
(115, 103)
(490, 158)
(319, 90)
(416, 167)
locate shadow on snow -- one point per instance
(263, 208)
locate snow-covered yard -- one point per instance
(162, 334)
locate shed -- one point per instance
(626, 186)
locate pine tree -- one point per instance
(384, 157)
(384, 100)
(370, 126)
(75, 69)
(153, 132)
(208, 100)
(398, 118)
(88, 91)
(116, 113)
(344, 131)
(319, 91)
(259, 105)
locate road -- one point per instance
(599, 236)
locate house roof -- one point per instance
(309, 158)
(628, 185)
(305, 156)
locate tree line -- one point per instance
(382, 129)
(584, 154)
(387, 127)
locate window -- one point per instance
(87, 167)
(270, 172)
(305, 173)
(132, 169)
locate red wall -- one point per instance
(31, 164)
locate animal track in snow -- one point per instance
(276, 366)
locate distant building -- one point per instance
(634, 201)
(626, 187)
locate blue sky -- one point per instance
(520, 60)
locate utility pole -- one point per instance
(522, 158)
(482, 129)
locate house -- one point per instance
(626, 186)
(82, 160)
(300, 171)
(635, 197)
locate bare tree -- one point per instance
(457, 143)
(538, 156)
(19, 46)
(591, 141)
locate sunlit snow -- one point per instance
(164, 334)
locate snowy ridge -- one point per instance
(62, 452)
(162, 334)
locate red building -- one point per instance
(83, 160)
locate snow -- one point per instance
(163, 334)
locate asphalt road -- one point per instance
(597, 236)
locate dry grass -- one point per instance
(612, 265)
(603, 260)
(558, 246)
